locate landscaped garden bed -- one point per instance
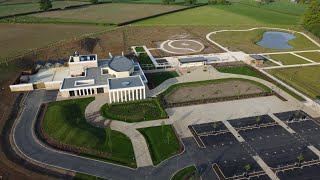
(155, 79)
(189, 172)
(162, 142)
(250, 71)
(134, 111)
(213, 91)
(64, 127)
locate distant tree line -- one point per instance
(311, 18)
(45, 5)
(191, 2)
(219, 2)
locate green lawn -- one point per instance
(246, 41)
(236, 14)
(140, 49)
(189, 172)
(304, 79)
(162, 142)
(315, 56)
(288, 59)
(249, 71)
(156, 79)
(134, 111)
(64, 122)
(81, 176)
(143, 58)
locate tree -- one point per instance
(214, 125)
(94, 1)
(247, 168)
(311, 18)
(300, 158)
(258, 120)
(45, 5)
(191, 1)
(168, 135)
(168, 1)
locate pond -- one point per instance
(276, 40)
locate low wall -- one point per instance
(21, 87)
(53, 85)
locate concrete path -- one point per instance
(281, 123)
(266, 168)
(302, 57)
(233, 131)
(314, 150)
(140, 147)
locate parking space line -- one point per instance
(314, 150)
(233, 131)
(266, 168)
(281, 123)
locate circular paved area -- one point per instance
(183, 46)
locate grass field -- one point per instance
(236, 14)
(283, 6)
(288, 59)
(134, 111)
(6, 10)
(315, 56)
(162, 142)
(245, 70)
(19, 38)
(304, 79)
(246, 41)
(65, 122)
(189, 172)
(104, 13)
(156, 79)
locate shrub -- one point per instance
(45, 5)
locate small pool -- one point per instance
(276, 40)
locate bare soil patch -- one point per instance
(212, 90)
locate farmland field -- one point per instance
(304, 79)
(237, 14)
(19, 38)
(246, 41)
(30, 7)
(107, 13)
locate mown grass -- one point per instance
(314, 56)
(134, 111)
(236, 14)
(189, 172)
(288, 59)
(155, 79)
(246, 41)
(245, 70)
(305, 79)
(143, 59)
(162, 142)
(65, 122)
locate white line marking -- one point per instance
(314, 150)
(266, 168)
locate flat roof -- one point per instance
(193, 59)
(91, 73)
(258, 57)
(120, 64)
(126, 82)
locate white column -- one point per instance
(137, 94)
(81, 92)
(130, 96)
(125, 95)
(75, 93)
(110, 94)
(144, 93)
(113, 96)
(141, 97)
(117, 96)
(121, 98)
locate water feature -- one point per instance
(276, 40)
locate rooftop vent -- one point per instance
(125, 83)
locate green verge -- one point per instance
(157, 78)
(65, 123)
(162, 142)
(304, 79)
(81, 176)
(245, 70)
(134, 111)
(140, 49)
(189, 172)
(288, 59)
(143, 58)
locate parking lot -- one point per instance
(264, 137)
